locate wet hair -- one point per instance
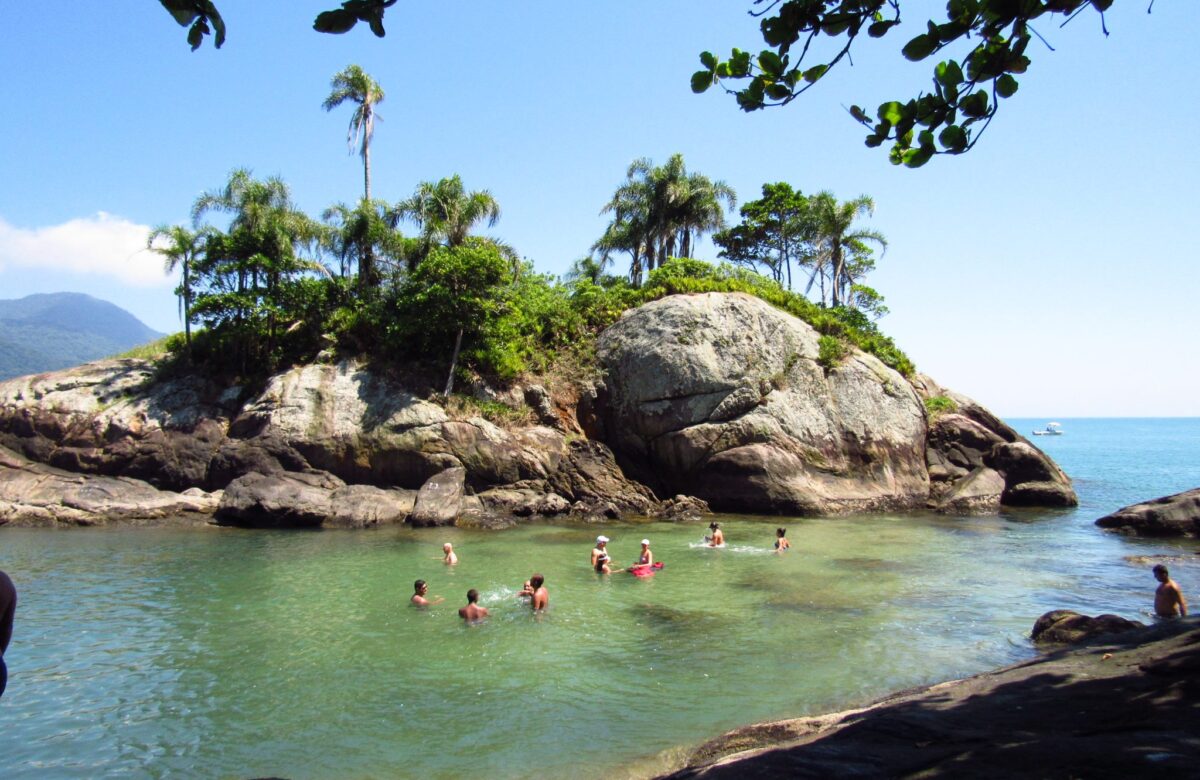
(418, 585)
(1160, 568)
(714, 525)
(472, 596)
(537, 580)
(781, 532)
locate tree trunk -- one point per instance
(453, 364)
(367, 171)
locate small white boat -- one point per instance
(1051, 429)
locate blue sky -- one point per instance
(1046, 273)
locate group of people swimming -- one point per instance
(534, 588)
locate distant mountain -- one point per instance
(58, 330)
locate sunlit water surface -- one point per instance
(227, 653)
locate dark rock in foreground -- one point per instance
(1128, 707)
(1062, 626)
(1177, 515)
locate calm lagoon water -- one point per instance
(227, 653)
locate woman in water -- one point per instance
(646, 558)
(600, 557)
(717, 539)
(781, 542)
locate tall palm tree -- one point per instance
(841, 250)
(659, 211)
(361, 236)
(354, 85)
(445, 212)
(179, 247)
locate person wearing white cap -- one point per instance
(600, 557)
(646, 558)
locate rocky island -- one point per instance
(711, 399)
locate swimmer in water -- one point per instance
(541, 597)
(526, 591)
(472, 613)
(781, 542)
(717, 539)
(450, 558)
(1168, 598)
(420, 588)
(600, 558)
(646, 558)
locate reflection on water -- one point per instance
(223, 653)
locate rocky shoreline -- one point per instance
(1120, 706)
(708, 400)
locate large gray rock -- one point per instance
(117, 418)
(1176, 515)
(287, 500)
(720, 396)
(440, 499)
(33, 494)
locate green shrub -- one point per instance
(939, 405)
(831, 351)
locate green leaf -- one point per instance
(184, 11)
(948, 73)
(335, 22)
(919, 48)
(814, 73)
(859, 115)
(891, 112)
(770, 63)
(975, 105)
(723, 71)
(701, 81)
(953, 138)
(739, 63)
(777, 91)
(879, 29)
(915, 158)
(1006, 86)
(874, 139)
(196, 34)
(708, 59)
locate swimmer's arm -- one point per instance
(1182, 602)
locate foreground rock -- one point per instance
(1063, 626)
(1177, 515)
(1127, 707)
(32, 494)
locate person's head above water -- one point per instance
(537, 580)
(645, 543)
(780, 532)
(600, 540)
(714, 525)
(1161, 573)
(419, 586)
(472, 596)
(447, 547)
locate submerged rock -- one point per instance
(1062, 626)
(1175, 515)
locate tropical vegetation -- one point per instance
(271, 286)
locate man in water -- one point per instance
(600, 558)
(472, 612)
(8, 608)
(1168, 599)
(420, 588)
(450, 558)
(541, 596)
(718, 536)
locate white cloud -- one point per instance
(103, 245)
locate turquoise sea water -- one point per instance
(226, 653)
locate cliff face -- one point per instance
(714, 396)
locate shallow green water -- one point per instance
(225, 653)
